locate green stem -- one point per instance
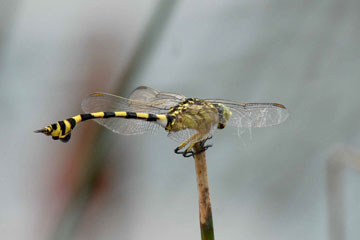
(206, 222)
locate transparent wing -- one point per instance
(129, 126)
(181, 136)
(104, 102)
(160, 99)
(254, 115)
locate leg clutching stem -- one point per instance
(192, 141)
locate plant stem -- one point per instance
(206, 223)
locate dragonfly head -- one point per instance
(224, 115)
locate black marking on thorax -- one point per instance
(170, 121)
(184, 105)
(178, 109)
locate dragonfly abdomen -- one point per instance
(122, 114)
(62, 129)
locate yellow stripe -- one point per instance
(48, 130)
(98, 114)
(120, 114)
(56, 132)
(67, 126)
(142, 115)
(77, 118)
(161, 117)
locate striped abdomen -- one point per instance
(62, 129)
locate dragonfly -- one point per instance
(187, 120)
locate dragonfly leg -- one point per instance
(193, 140)
(182, 145)
(185, 153)
(203, 146)
(188, 152)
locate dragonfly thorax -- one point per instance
(197, 114)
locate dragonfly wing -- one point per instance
(129, 127)
(254, 115)
(160, 99)
(182, 135)
(103, 102)
(144, 94)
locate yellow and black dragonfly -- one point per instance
(187, 120)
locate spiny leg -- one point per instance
(189, 152)
(202, 145)
(192, 140)
(182, 145)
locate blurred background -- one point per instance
(298, 180)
